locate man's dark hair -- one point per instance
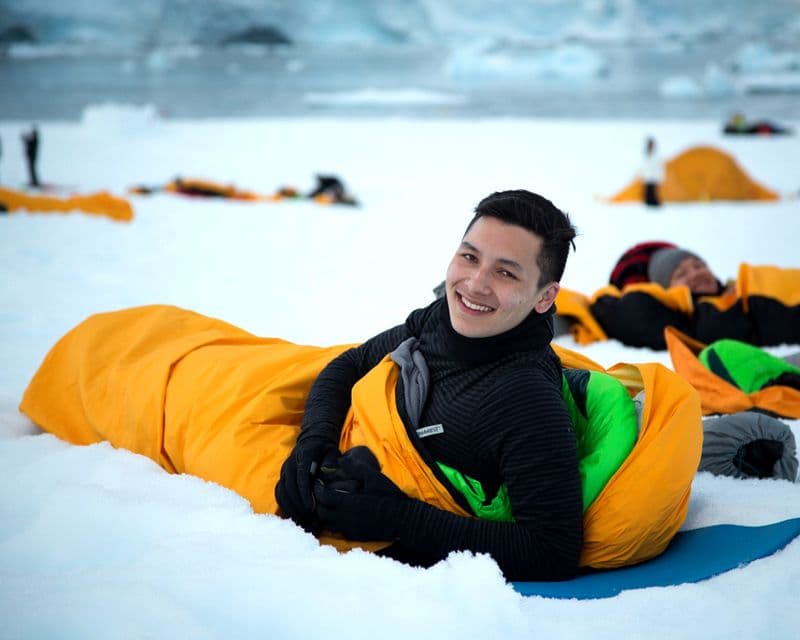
(538, 215)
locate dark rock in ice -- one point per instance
(17, 33)
(261, 34)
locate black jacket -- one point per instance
(499, 402)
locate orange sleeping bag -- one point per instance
(645, 502)
(203, 397)
(209, 188)
(101, 203)
(200, 396)
(720, 396)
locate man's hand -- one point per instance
(358, 501)
(294, 491)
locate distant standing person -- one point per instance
(652, 173)
(31, 141)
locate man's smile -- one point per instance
(473, 306)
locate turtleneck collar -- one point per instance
(534, 332)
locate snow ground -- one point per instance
(102, 543)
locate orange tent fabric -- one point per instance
(203, 397)
(719, 396)
(101, 203)
(701, 174)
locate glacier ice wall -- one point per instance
(140, 26)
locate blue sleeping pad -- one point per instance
(692, 556)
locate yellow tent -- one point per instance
(100, 203)
(701, 173)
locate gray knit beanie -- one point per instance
(664, 262)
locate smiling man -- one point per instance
(480, 398)
(494, 281)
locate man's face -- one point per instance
(492, 282)
(695, 274)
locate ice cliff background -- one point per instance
(619, 58)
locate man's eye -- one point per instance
(469, 257)
(507, 274)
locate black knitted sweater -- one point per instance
(499, 402)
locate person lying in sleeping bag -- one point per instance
(675, 267)
(680, 290)
(493, 409)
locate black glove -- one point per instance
(358, 501)
(295, 490)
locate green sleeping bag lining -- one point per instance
(743, 365)
(606, 428)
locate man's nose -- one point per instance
(479, 282)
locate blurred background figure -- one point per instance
(674, 266)
(31, 141)
(737, 124)
(331, 189)
(652, 173)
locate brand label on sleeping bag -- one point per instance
(433, 430)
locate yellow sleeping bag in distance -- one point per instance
(778, 283)
(574, 305)
(100, 203)
(209, 188)
(203, 397)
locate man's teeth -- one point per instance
(473, 306)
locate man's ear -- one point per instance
(547, 297)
